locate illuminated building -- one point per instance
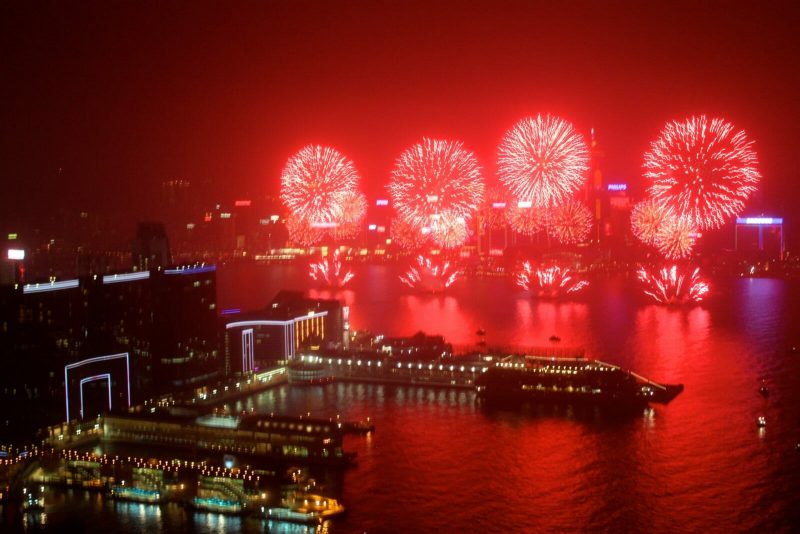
(764, 234)
(63, 340)
(291, 323)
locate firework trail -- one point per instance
(673, 285)
(430, 275)
(548, 281)
(330, 271)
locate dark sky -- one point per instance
(123, 95)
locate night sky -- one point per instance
(122, 95)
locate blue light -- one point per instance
(192, 270)
(759, 221)
(231, 311)
(51, 286)
(126, 277)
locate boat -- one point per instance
(304, 373)
(570, 380)
(129, 493)
(554, 338)
(306, 508)
(761, 422)
(33, 502)
(481, 332)
(217, 505)
(764, 390)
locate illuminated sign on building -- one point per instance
(192, 270)
(99, 361)
(49, 286)
(16, 254)
(126, 277)
(241, 203)
(498, 205)
(524, 204)
(617, 187)
(759, 221)
(382, 202)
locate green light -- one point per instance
(12, 237)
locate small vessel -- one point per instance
(214, 504)
(308, 373)
(764, 390)
(761, 422)
(306, 508)
(554, 338)
(32, 502)
(133, 494)
(481, 332)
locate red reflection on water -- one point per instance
(537, 320)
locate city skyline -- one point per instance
(117, 99)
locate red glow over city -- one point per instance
(400, 266)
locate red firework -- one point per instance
(647, 217)
(675, 238)
(405, 235)
(329, 271)
(543, 160)
(349, 215)
(702, 169)
(673, 285)
(436, 178)
(570, 222)
(430, 275)
(448, 231)
(301, 232)
(549, 281)
(493, 210)
(526, 220)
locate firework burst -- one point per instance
(301, 232)
(330, 271)
(570, 222)
(702, 169)
(543, 160)
(449, 231)
(430, 275)
(406, 235)
(549, 281)
(316, 182)
(647, 217)
(493, 210)
(526, 220)
(673, 285)
(436, 178)
(349, 214)
(675, 238)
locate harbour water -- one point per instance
(439, 460)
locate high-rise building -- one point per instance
(151, 247)
(78, 347)
(289, 325)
